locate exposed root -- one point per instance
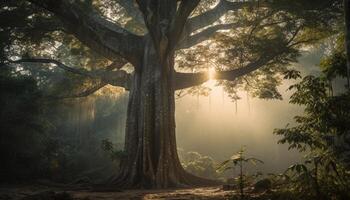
(183, 180)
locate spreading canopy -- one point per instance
(101, 42)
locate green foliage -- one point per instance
(198, 164)
(334, 65)
(322, 132)
(320, 176)
(111, 150)
(291, 74)
(238, 159)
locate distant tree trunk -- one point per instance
(241, 181)
(347, 37)
(150, 143)
(317, 186)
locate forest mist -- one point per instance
(215, 125)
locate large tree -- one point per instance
(154, 48)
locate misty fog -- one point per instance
(217, 127)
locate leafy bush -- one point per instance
(197, 164)
(322, 132)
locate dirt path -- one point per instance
(180, 194)
(49, 193)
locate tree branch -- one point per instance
(213, 15)
(185, 80)
(190, 41)
(81, 72)
(132, 10)
(185, 9)
(85, 93)
(118, 78)
(116, 64)
(210, 17)
(96, 32)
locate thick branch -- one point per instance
(185, 9)
(101, 35)
(231, 75)
(132, 10)
(85, 93)
(204, 35)
(81, 72)
(118, 78)
(213, 15)
(185, 80)
(116, 64)
(210, 17)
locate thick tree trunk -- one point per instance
(151, 159)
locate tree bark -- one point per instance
(151, 159)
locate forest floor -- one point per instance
(33, 192)
(177, 194)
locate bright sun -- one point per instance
(211, 73)
(211, 82)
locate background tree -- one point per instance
(154, 48)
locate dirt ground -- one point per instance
(49, 193)
(179, 194)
